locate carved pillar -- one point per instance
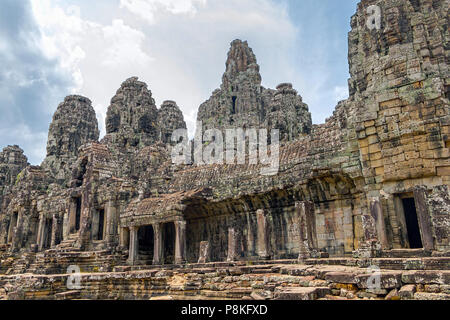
(72, 215)
(65, 224)
(41, 232)
(124, 238)
(134, 246)
(232, 244)
(54, 235)
(158, 244)
(306, 220)
(204, 252)
(371, 246)
(263, 234)
(12, 227)
(250, 236)
(17, 235)
(111, 223)
(180, 242)
(423, 216)
(376, 211)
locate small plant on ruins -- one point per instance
(19, 177)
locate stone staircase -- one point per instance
(57, 260)
(405, 253)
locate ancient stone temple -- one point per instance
(369, 187)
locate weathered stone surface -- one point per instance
(426, 277)
(300, 293)
(170, 118)
(132, 117)
(242, 102)
(74, 124)
(407, 292)
(388, 280)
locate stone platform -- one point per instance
(332, 279)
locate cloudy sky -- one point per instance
(53, 48)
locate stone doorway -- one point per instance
(48, 230)
(146, 244)
(77, 213)
(101, 224)
(412, 223)
(169, 243)
(98, 224)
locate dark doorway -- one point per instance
(48, 233)
(101, 224)
(234, 98)
(8, 231)
(145, 238)
(78, 213)
(169, 243)
(412, 223)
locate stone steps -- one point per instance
(301, 293)
(284, 282)
(406, 253)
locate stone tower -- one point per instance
(170, 118)
(242, 102)
(132, 117)
(74, 124)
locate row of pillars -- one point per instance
(307, 234)
(263, 238)
(305, 224)
(180, 243)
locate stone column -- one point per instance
(41, 232)
(66, 226)
(12, 227)
(420, 199)
(16, 242)
(371, 246)
(157, 244)
(250, 236)
(72, 215)
(124, 238)
(204, 252)
(376, 211)
(111, 223)
(134, 246)
(54, 234)
(263, 235)
(232, 244)
(180, 242)
(306, 220)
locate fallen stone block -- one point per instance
(431, 296)
(426, 277)
(407, 292)
(381, 280)
(341, 277)
(301, 293)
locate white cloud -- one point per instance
(90, 51)
(125, 45)
(187, 55)
(148, 9)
